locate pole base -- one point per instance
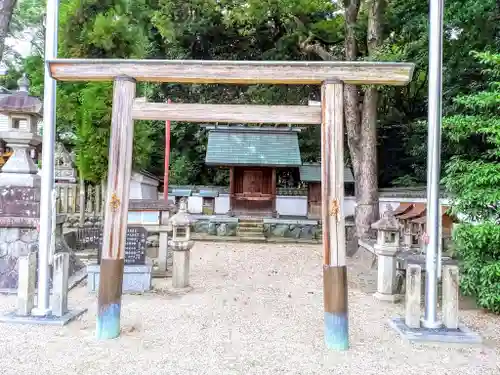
(108, 322)
(461, 336)
(336, 331)
(434, 324)
(47, 320)
(41, 312)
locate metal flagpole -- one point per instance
(434, 162)
(48, 145)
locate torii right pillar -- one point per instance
(334, 245)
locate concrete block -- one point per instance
(451, 284)
(136, 278)
(413, 293)
(26, 284)
(60, 284)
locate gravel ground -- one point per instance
(253, 309)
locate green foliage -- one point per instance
(402, 131)
(478, 247)
(100, 29)
(267, 30)
(473, 180)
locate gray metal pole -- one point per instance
(434, 162)
(48, 146)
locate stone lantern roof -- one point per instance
(20, 101)
(388, 222)
(182, 217)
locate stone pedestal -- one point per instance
(180, 271)
(19, 212)
(136, 279)
(386, 274)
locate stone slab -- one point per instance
(462, 335)
(291, 221)
(136, 278)
(50, 320)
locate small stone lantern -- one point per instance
(386, 248)
(181, 245)
(23, 112)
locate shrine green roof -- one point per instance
(246, 146)
(312, 173)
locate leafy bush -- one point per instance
(478, 247)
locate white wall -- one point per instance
(143, 187)
(291, 205)
(221, 206)
(195, 204)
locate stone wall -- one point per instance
(297, 229)
(14, 243)
(221, 227)
(17, 242)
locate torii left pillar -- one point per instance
(116, 209)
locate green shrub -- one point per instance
(473, 182)
(478, 247)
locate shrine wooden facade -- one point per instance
(252, 155)
(310, 173)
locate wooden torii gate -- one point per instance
(330, 75)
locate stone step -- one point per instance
(251, 229)
(250, 234)
(250, 223)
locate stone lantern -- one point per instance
(386, 248)
(23, 112)
(181, 245)
(19, 189)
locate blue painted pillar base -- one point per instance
(108, 322)
(336, 331)
(336, 315)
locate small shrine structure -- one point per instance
(310, 173)
(252, 155)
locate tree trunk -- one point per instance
(6, 10)
(360, 113)
(367, 209)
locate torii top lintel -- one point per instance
(236, 72)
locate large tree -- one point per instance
(100, 29)
(6, 11)
(360, 103)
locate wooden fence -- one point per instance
(69, 200)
